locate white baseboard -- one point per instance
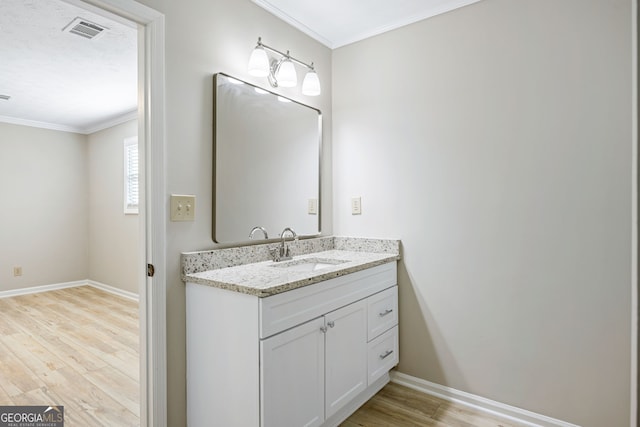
(56, 286)
(478, 403)
(113, 290)
(43, 288)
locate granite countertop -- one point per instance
(267, 278)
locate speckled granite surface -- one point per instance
(249, 269)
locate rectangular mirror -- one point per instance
(266, 163)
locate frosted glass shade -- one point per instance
(258, 63)
(311, 84)
(286, 75)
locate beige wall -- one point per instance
(204, 37)
(44, 206)
(495, 141)
(68, 223)
(113, 236)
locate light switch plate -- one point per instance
(356, 206)
(183, 207)
(313, 207)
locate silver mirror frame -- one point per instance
(273, 234)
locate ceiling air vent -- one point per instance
(87, 29)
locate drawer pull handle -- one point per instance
(386, 354)
(384, 313)
(331, 324)
(323, 329)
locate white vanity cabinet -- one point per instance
(305, 357)
(311, 371)
(292, 376)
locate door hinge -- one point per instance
(150, 270)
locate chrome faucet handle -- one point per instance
(275, 254)
(290, 230)
(258, 228)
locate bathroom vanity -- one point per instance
(297, 343)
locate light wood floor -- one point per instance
(75, 347)
(398, 406)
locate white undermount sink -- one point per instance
(308, 264)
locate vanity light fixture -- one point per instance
(281, 71)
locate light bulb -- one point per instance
(259, 62)
(311, 84)
(286, 75)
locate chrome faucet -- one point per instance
(282, 253)
(257, 228)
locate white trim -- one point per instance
(634, 215)
(66, 285)
(123, 118)
(153, 210)
(444, 8)
(151, 136)
(334, 44)
(266, 5)
(478, 403)
(42, 125)
(113, 290)
(42, 288)
(114, 121)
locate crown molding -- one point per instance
(73, 129)
(336, 43)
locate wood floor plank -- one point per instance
(16, 378)
(5, 400)
(118, 386)
(39, 360)
(399, 406)
(39, 397)
(127, 363)
(421, 404)
(458, 415)
(376, 415)
(76, 347)
(74, 355)
(92, 400)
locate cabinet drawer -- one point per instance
(382, 312)
(382, 354)
(288, 309)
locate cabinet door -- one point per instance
(292, 377)
(346, 355)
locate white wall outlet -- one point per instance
(17, 271)
(356, 206)
(313, 207)
(183, 207)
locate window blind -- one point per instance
(131, 181)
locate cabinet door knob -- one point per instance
(384, 313)
(331, 324)
(386, 354)
(323, 329)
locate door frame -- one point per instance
(635, 231)
(152, 246)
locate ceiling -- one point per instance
(60, 80)
(336, 23)
(63, 81)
